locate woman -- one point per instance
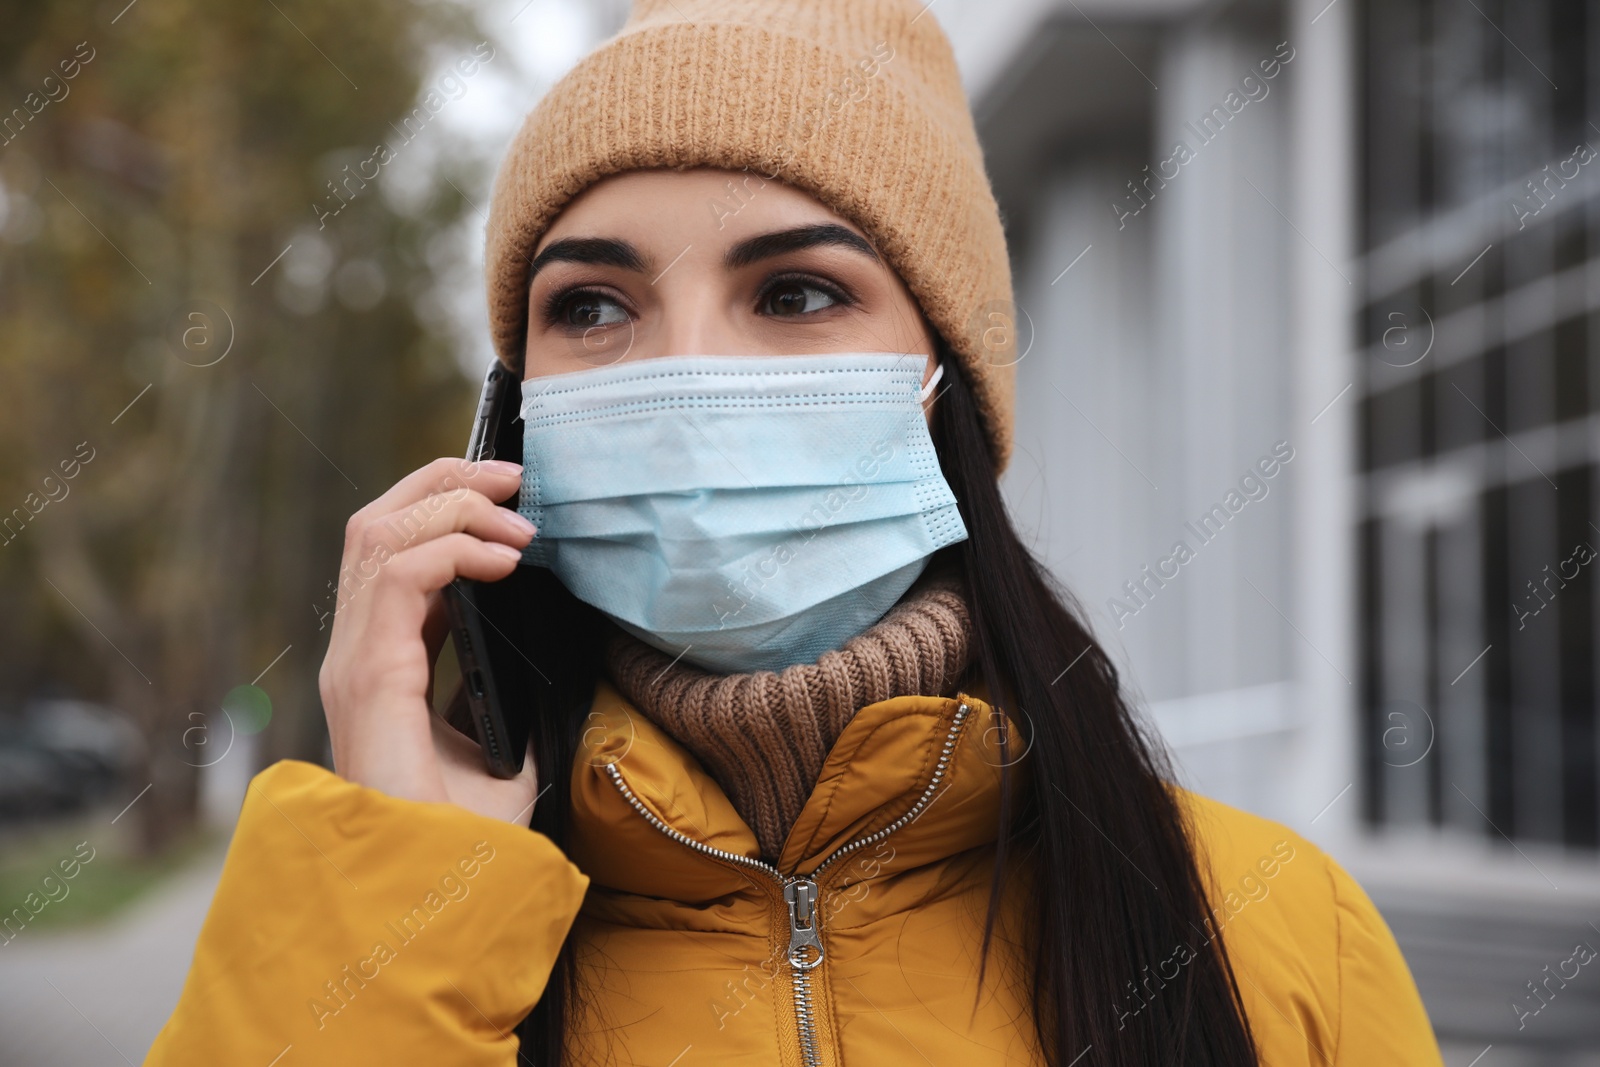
(824, 770)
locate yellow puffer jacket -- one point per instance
(351, 927)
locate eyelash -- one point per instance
(841, 297)
(549, 312)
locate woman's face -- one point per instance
(709, 262)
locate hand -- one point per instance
(437, 523)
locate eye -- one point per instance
(791, 297)
(584, 309)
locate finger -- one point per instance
(530, 771)
(428, 566)
(435, 625)
(497, 479)
(435, 515)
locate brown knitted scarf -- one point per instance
(765, 735)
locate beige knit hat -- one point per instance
(857, 102)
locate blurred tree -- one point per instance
(227, 403)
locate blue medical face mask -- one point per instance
(744, 512)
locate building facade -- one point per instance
(1307, 423)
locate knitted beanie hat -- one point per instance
(856, 102)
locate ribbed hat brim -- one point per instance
(857, 103)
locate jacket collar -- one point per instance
(880, 766)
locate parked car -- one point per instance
(60, 755)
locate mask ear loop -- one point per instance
(927, 390)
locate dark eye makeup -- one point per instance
(581, 308)
(584, 307)
(794, 281)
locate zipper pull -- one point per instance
(801, 896)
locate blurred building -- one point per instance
(1307, 422)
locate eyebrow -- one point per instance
(615, 252)
(766, 245)
(604, 251)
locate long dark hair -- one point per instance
(1113, 884)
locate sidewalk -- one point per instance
(96, 996)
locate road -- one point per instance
(99, 995)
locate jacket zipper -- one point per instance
(800, 891)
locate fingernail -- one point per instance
(520, 524)
(503, 466)
(506, 550)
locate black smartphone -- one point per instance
(484, 616)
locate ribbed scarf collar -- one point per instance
(765, 735)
